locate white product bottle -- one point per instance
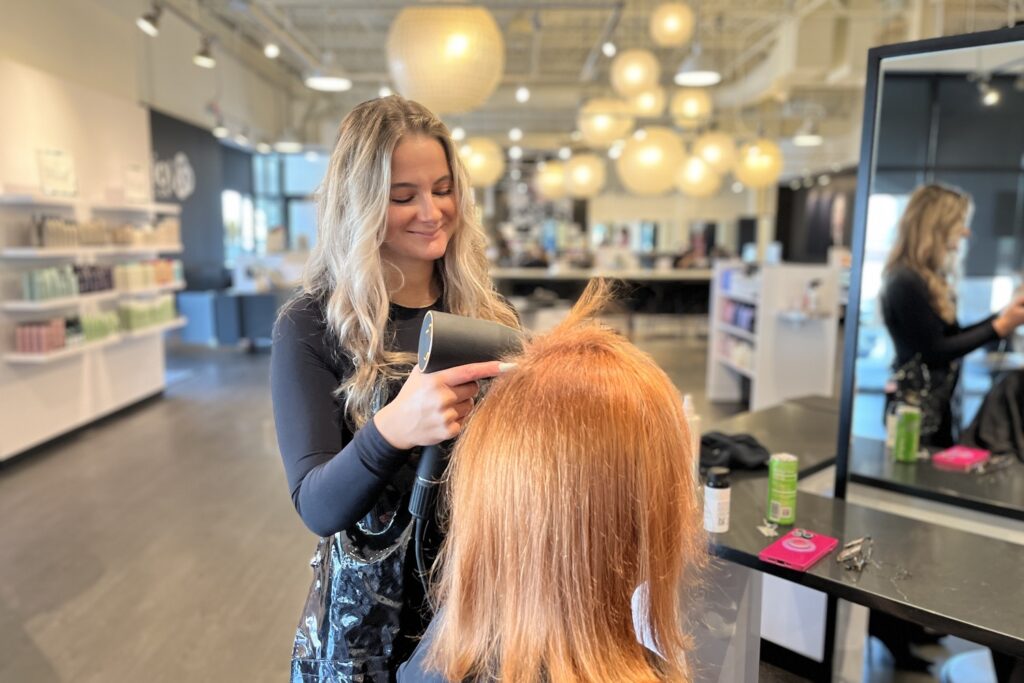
(717, 496)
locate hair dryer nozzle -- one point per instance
(449, 340)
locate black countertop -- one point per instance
(805, 427)
(1000, 492)
(949, 580)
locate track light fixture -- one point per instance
(149, 23)
(204, 57)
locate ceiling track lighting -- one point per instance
(149, 23)
(990, 96)
(204, 57)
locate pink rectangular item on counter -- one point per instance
(960, 458)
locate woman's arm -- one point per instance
(915, 321)
(334, 476)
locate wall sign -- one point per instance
(57, 173)
(174, 178)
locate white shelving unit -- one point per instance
(63, 303)
(83, 253)
(789, 352)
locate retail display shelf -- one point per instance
(151, 209)
(737, 332)
(153, 291)
(49, 253)
(746, 372)
(36, 199)
(740, 298)
(24, 306)
(52, 356)
(43, 358)
(154, 329)
(39, 199)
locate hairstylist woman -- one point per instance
(396, 237)
(918, 304)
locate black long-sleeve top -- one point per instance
(335, 476)
(916, 327)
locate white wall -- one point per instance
(675, 212)
(95, 43)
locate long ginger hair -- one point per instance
(346, 270)
(572, 485)
(933, 215)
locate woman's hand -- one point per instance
(1011, 317)
(430, 408)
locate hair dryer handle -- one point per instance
(433, 461)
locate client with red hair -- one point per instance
(571, 487)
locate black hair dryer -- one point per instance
(447, 341)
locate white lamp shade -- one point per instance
(484, 161)
(696, 178)
(550, 180)
(449, 59)
(690, 107)
(672, 24)
(584, 175)
(760, 164)
(717, 149)
(648, 166)
(603, 121)
(634, 71)
(650, 103)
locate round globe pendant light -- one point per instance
(449, 59)
(648, 165)
(484, 161)
(717, 149)
(672, 24)
(603, 121)
(634, 71)
(550, 180)
(690, 107)
(650, 103)
(696, 178)
(760, 164)
(584, 175)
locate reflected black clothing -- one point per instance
(918, 332)
(354, 483)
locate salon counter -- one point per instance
(921, 572)
(1000, 492)
(805, 427)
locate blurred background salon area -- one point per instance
(741, 166)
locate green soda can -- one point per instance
(908, 433)
(782, 476)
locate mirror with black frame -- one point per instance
(936, 345)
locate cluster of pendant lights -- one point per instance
(650, 160)
(653, 160)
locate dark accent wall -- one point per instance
(202, 225)
(934, 128)
(810, 220)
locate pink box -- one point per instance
(959, 458)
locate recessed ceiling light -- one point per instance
(271, 51)
(522, 94)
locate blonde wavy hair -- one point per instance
(933, 215)
(346, 270)
(572, 485)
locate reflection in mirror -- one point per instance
(941, 323)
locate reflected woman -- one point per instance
(571, 487)
(918, 304)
